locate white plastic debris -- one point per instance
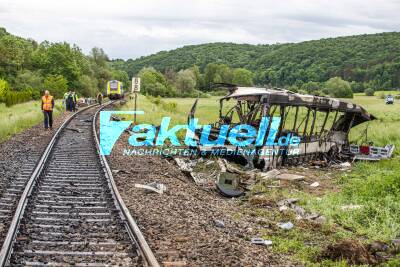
(286, 226)
(283, 208)
(219, 223)
(290, 177)
(270, 174)
(184, 166)
(225, 166)
(321, 219)
(221, 165)
(315, 184)
(299, 211)
(288, 201)
(350, 207)
(261, 241)
(153, 187)
(342, 166)
(312, 216)
(345, 165)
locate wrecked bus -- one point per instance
(322, 124)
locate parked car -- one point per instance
(389, 99)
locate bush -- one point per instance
(169, 106)
(154, 100)
(4, 88)
(381, 95)
(203, 95)
(369, 92)
(293, 88)
(357, 87)
(56, 84)
(337, 87)
(318, 93)
(35, 93)
(27, 79)
(311, 87)
(87, 86)
(12, 97)
(242, 77)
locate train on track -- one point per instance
(115, 90)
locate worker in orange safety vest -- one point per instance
(47, 108)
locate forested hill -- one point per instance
(235, 55)
(371, 60)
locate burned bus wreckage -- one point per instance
(322, 124)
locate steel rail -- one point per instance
(131, 223)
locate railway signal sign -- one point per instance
(135, 84)
(135, 90)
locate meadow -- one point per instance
(18, 117)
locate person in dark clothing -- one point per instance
(47, 108)
(74, 101)
(70, 102)
(100, 98)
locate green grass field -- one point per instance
(373, 186)
(17, 118)
(207, 110)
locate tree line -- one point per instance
(363, 62)
(27, 68)
(191, 82)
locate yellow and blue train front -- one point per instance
(114, 89)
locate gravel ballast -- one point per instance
(187, 225)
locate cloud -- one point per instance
(129, 29)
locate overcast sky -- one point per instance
(130, 29)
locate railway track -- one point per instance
(70, 212)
